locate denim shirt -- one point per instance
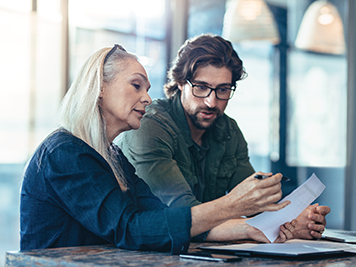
(70, 197)
(162, 152)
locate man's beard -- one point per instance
(198, 123)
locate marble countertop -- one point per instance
(109, 255)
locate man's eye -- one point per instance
(202, 87)
(224, 90)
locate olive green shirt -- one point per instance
(178, 171)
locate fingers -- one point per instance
(282, 236)
(323, 210)
(313, 231)
(294, 223)
(270, 181)
(320, 219)
(276, 207)
(257, 235)
(258, 195)
(269, 188)
(316, 227)
(316, 235)
(289, 228)
(252, 177)
(286, 231)
(270, 192)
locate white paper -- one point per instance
(269, 222)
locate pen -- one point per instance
(258, 176)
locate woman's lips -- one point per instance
(142, 112)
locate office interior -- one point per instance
(296, 107)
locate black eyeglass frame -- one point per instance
(116, 46)
(233, 88)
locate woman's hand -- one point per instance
(255, 195)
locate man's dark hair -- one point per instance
(201, 51)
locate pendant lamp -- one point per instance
(249, 20)
(321, 29)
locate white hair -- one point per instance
(80, 112)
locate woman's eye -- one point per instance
(137, 86)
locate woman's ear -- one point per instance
(101, 92)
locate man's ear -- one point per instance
(180, 87)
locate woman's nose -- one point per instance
(147, 99)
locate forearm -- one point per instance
(234, 229)
(238, 229)
(208, 215)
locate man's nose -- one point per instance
(211, 100)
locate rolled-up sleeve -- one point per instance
(179, 236)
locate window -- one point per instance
(31, 86)
(137, 25)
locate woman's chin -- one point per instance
(135, 127)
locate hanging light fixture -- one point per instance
(249, 20)
(321, 29)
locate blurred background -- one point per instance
(295, 108)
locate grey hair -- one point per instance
(80, 112)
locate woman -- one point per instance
(79, 189)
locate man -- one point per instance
(187, 149)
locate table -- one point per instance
(108, 255)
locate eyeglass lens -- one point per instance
(222, 93)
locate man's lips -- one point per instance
(207, 114)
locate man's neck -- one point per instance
(197, 135)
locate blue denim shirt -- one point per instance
(70, 197)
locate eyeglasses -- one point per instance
(224, 92)
(116, 46)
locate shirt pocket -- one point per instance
(226, 170)
(227, 167)
(188, 173)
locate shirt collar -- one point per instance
(179, 117)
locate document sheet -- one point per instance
(269, 222)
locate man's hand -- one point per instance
(285, 233)
(311, 222)
(253, 195)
